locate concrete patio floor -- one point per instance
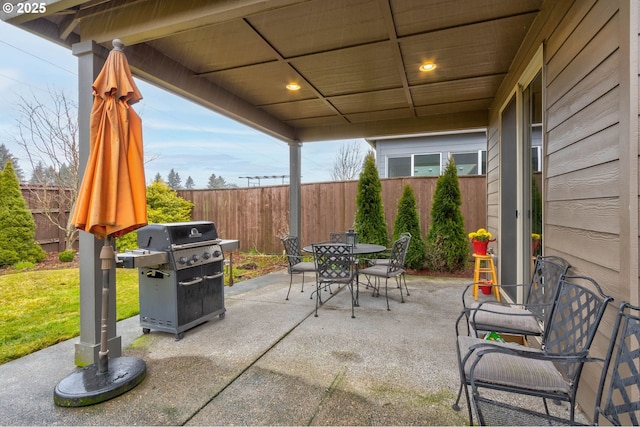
(271, 362)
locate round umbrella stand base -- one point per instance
(87, 386)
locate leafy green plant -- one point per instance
(408, 221)
(163, 205)
(447, 245)
(23, 265)
(17, 227)
(369, 221)
(66, 256)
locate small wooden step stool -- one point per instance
(488, 267)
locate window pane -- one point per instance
(399, 166)
(426, 165)
(466, 163)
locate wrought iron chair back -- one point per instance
(573, 322)
(338, 237)
(295, 263)
(621, 404)
(334, 264)
(543, 288)
(292, 249)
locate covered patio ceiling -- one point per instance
(356, 61)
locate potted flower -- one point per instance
(535, 242)
(480, 240)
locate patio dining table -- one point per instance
(358, 249)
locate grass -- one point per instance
(41, 308)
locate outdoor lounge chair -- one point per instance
(333, 264)
(526, 319)
(552, 372)
(296, 265)
(620, 381)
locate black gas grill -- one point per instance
(181, 275)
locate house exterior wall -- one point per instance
(445, 143)
(590, 191)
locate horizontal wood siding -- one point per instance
(258, 216)
(589, 54)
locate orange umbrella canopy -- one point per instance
(112, 197)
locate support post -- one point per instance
(91, 57)
(295, 192)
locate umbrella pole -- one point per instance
(107, 256)
(105, 379)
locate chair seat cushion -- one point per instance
(511, 370)
(304, 266)
(498, 317)
(380, 271)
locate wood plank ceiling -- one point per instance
(356, 61)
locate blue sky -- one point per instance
(177, 133)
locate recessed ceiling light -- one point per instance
(293, 86)
(428, 66)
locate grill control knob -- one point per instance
(190, 262)
(217, 253)
(206, 255)
(182, 260)
(195, 258)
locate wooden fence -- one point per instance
(50, 237)
(258, 216)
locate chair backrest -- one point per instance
(545, 281)
(333, 261)
(292, 249)
(573, 322)
(338, 237)
(407, 236)
(621, 405)
(398, 254)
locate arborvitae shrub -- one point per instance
(17, 227)
(447, 244)
(408, 221)
(369, 222)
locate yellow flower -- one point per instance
(535, 236)
(481, 235)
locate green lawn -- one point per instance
(41, 308)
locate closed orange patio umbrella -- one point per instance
(111, 202)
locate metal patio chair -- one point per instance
(296, 265)
(526, 319)
(394, 268)
(333, 264)
(552, 372)
(618, 398)
(383, 259)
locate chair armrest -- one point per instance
(470, 285)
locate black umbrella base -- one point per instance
(87, 386)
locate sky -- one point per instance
(177, 134)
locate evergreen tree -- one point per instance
(173, 180)
(369, 221)
(447, 245)
(163, 205)
(17, 227)
(158, 178)
(216, 182)
(5, 156)
(189, 183)
(408, 221)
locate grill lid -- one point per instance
(162, 237)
